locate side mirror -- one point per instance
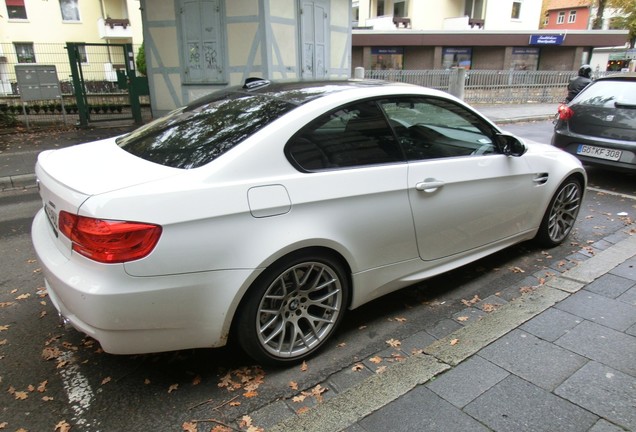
(510, 145)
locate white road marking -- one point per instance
(78, 390)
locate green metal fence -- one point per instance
(100, 66)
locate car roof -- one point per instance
(627, 76)
(297, 92)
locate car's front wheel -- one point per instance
(293, 308)
(561, 213)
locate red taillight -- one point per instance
(109, 241)
(565, 112)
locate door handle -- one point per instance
(429, 185)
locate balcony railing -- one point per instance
(112, 28)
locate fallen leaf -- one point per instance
(293, 385)
(189, 426)
(462, 318)
(146, 381)
(47, 398)
(375, 360)
(472, 301)
(107, 380)
(234, 404)
(304, 367)
(23, 296)
(488, 307)
(394, 343)
(517, 270)
(50, 353)
(302, 410)
(173, 388)
(299, 398)
(196, 380)
(3, 342)
(357, 367)
(341, 344)
(5, 304)
(454, 342)
(380, 370)
(62, 426)
(4, 327)
(400, 319)
(20, 395)
(250, 394)
(246, 421)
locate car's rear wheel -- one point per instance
(561, 214)
(293, 308)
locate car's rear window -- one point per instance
(607, 93)
(195, 135)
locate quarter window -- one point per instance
(352, 136)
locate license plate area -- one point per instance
(51, 215)
(598, 152)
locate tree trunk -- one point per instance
(598, 21)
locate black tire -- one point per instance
(293, 308)
(561, 213)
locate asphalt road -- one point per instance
(94, 391)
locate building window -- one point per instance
(70, 10)
(561, 18)
(380, 8)
(16, 9)
(525, 58)
(387, 58)
(546, 20)
(572, 17)
(516, 10)
(202, 42)
(457, 57)
(24, 52)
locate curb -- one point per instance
(22, 181)
(352, 405)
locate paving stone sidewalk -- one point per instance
(560, 358)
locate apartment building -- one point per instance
(473, 34)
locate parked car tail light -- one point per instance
(565, 112)
(109, 241)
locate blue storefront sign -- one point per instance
(546, 39)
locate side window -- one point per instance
(436, 128)
(351, 136)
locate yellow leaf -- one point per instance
(454, 342)
(302, 410)
(23, 296)
(250, 394)
(376, 359)
(394, 343)
(20, 395)
(47, 398)
(189, 426)
(400, 319)
(235, 404)
(462, 318)
(300, 398)
(4, 327)
(42, 386)
(246, 421)
(62, 426)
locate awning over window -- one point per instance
(15, 2)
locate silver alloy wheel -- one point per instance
(299, 309)
(564, 210)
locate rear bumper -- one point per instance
(569, 142)
(134, 315)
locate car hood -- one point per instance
(99, 167)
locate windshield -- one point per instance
(195, 135)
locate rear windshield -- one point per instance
(195, 135)
(608, 93)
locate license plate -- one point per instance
(598, 152)
(51, 215)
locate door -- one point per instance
(313, 38)
(463, 193)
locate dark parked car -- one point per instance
(599, 125)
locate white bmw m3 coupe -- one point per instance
(261, 213)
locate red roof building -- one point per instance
(567, 15)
